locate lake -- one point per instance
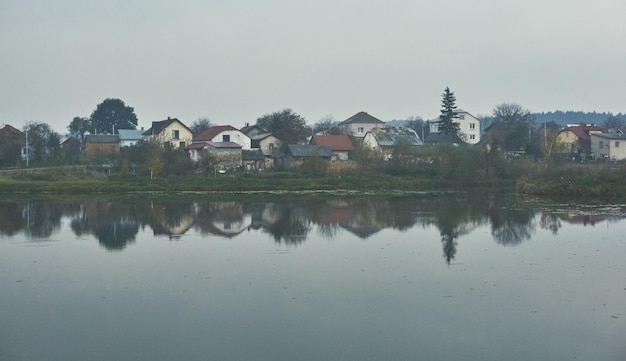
(430, 276)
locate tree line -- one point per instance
(514, 129)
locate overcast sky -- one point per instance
(236, 60)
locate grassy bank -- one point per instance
(567, 180)
(57, 181)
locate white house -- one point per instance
(469, 126)
(610, 146)
(224, 133)
(359, 124)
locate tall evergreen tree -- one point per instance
(447, 124)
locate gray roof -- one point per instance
(255, 154)
(102, 138)
(298, 150)
(130, 134)
(387, 137)
(611, 136)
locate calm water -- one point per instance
(431, 277)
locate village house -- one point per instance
(608, 146)
(70, 147)
(385, 140)
(340, 145)
(469, 126)
(226, 155)
(102, 144)
(129, 137)
(576, 139)
(252, 130)
(170, 132)
(359, 124)
(223, 133)
(295, 154)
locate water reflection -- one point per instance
(116, 224)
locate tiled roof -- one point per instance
(212, 132)
(582, 131)
(362, 118)
(336, 142)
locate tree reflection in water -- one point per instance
(116, 224)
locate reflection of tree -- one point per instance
(11, 219)
(511, 226)
(550, 221)
(449, 245)
(292, 227)
(42, 220)
(114, 224)
(116, 235)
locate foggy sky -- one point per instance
(234, 61)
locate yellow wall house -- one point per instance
(170, 132)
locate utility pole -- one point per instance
(27, 152)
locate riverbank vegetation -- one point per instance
(440, 167)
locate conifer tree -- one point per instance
(447, 123)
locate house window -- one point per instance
(360, 129)
(472, 136)
(271, 146)
(472, 125)
(462, 117)
(601, 144)
(225, 138)
(181, 145)
(617, 144)
(175, 134)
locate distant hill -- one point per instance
(571, 117)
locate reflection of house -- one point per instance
(170, 132)
(576, 139)
(340, 145)
(224, 219)
(296, 153)
(129, 137)
(385, 140)
(610, 146)
(102, 143)
(174, 229)
(359, 124)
